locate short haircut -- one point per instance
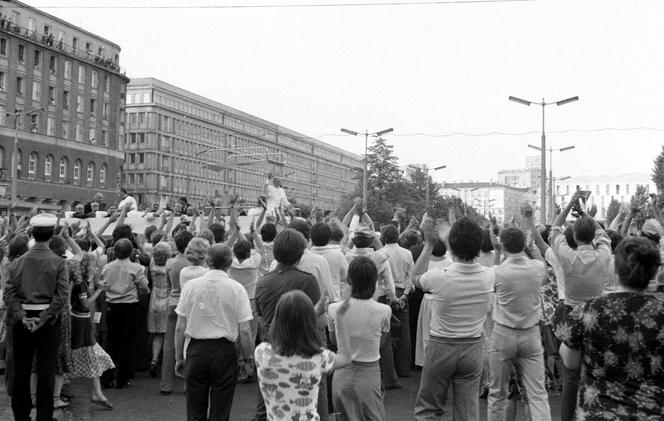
(545, 233)
(487, 245)
(149, 230)
(196, 250)
(161, 253)
(268, 232)
(389, 234)
(207, 234)
(439, 249)
(156, 237)
(465, 239)
(513, 239)
(302, 226)
(242, 249)
(122, 190)
(637, 261)
(42, 234)
(569, 237)
(219, 232)
(615, 238)
(123, 248)
(336, 234)
(584, 229)
(121, 231)
(83, 243)
(362, 241)
(181, 240)
(17, 246)
(293, 330)
(289, 247)
(362, 276)
(320, 234)
(58, 245)
(219, 257)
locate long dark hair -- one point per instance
(293, 330)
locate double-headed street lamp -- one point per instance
(542, 148)
(551, 151)
(465, 197)
(366, 147)
(425, 169)
(17, 114)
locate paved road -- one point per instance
(142, 402)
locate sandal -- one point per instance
(59, 403)
(104, 403)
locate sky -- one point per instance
(439, 74)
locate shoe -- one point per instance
(122, 385)
(153, 369)
(107, 385)
(394, 386)
(103, 403)
(59, 403)
(165, 392)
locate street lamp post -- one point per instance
(425, 169)
(553, 186)
(14, 177)
(551, 151)
(366, 147)
(465, 197)
(542, 148)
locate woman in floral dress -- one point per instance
(618, 341)
(158, 311)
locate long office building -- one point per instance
(62, 95)
(182, 144)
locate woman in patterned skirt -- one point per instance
(89, 360)
(158, 310)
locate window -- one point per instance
(47, 30)
(141, 137)
(67, 69)
(3, 46)
(64, 128)
(90, 174)
(626, 188)
(34, 123)
(91, 134)
(53, 64)
(3, 119)
(141, 158)
(36, 90)
(32, 25)
(32, 164)
(141, 118)
(94, 79)
(146, 97)
(74, 43)
(132, 158)
(567, 189)
(38, 59)
(132, 137)
(102, 174)
(79, 133)
(107, 106)
(88, 47)
(617, 188)
(50, 126)
(79, 103)
(65, 100)
(81, 74)
(48, 166)
(63, 168)
(107, 83)
(77, 171)
(608, 189)
(51, 95)
(100, 52)
(2, 81)
(19, 86)
(104, 138)
(92, 106)
(21, 53)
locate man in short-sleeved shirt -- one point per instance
(213, 312)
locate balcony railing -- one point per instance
(59, 45)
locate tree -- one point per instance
(383, 169)
(658, 177)
(612, 211)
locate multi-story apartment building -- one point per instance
(62, 94)
(502, 201)
(182, 144)
(521, 177)
(604, 188)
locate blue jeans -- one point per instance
(456, 362)
(523, 348)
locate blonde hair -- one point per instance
(196, 250)
(160, 253)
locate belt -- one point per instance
(34, 307)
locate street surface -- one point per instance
(142, 402)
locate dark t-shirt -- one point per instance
(273, 285)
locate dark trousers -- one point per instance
(121, 340)
(210, 376)
(44, 341)
(401, 339)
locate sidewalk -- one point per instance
(6, 413)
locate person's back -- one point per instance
(365, 320)
(320, 238)
(518, 283)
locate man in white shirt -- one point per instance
(125, 199)
(320, 238)
(213, 311)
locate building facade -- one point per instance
(182, 144)
(603, 189)
(62, 95)
(521, 177)
(500, 200)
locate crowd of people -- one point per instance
(326, 313)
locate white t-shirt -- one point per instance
(246, 272)
(360, 329)
(128, 199)
(191, 272)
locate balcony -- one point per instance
(50, 42)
